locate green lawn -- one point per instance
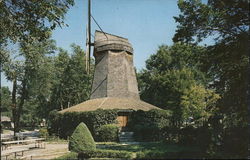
(145, 150)
(145, 146)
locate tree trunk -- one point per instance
(17, 108)
(20, 105)
(14, 106)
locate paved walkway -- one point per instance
(52, 150)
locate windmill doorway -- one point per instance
(122, 119)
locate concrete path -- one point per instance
(52, 150)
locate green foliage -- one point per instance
(157, 150)
(171, 74)
(226, 60)
(64, 124)
(5, 102)
(195, 136)
(148, 125)
(68, 156)
(44, 133)
(27, 20)
(107, 133)
(104, 154)
(28, 88)
(42, 83)
(71, 84)
(223, 19)
(199, 103)
(81, 139)
(171, 155)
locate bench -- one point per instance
(7, 153)
(38, 143)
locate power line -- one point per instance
(99, 26)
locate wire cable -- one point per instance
(99, 26)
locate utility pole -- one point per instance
(88, 39)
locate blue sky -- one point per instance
(146, 23)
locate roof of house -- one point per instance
(110, 103)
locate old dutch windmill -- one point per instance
(114, 83)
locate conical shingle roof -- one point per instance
(110, 103)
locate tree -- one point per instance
(23, 74)
(6, 101)
(227, 60)
(221, 19)
(72, 84)
(13, 72)
(26, 20)
(199, 103)
(170, 75)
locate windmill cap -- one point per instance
(105, 41)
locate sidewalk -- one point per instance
(52, 150)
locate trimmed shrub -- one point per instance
(81, 139)
(108, 133)
(147, 133)
(148, 154)
(104, 154)
(63, 125)
(149, 125)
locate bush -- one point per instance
(44, 133)
(104, 154)
(64, 124)
(149, 154)
(108, 133)
(149, 124)
(147, 133)
(196, 136)
(81, 139)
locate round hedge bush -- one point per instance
(81, 139)
(108, 133)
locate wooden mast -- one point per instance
(88, 39)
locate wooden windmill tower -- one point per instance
(114, 84)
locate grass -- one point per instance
(53, 139)
(144, 150)
(68, 156)
(146, 146)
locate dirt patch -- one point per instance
(52, 150)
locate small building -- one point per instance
(114, 84)
(6, 122)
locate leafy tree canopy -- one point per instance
(5, 101)
(24, 20)
(227, 60)
(171, 75)
(223, 19)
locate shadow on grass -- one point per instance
(146, 146)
